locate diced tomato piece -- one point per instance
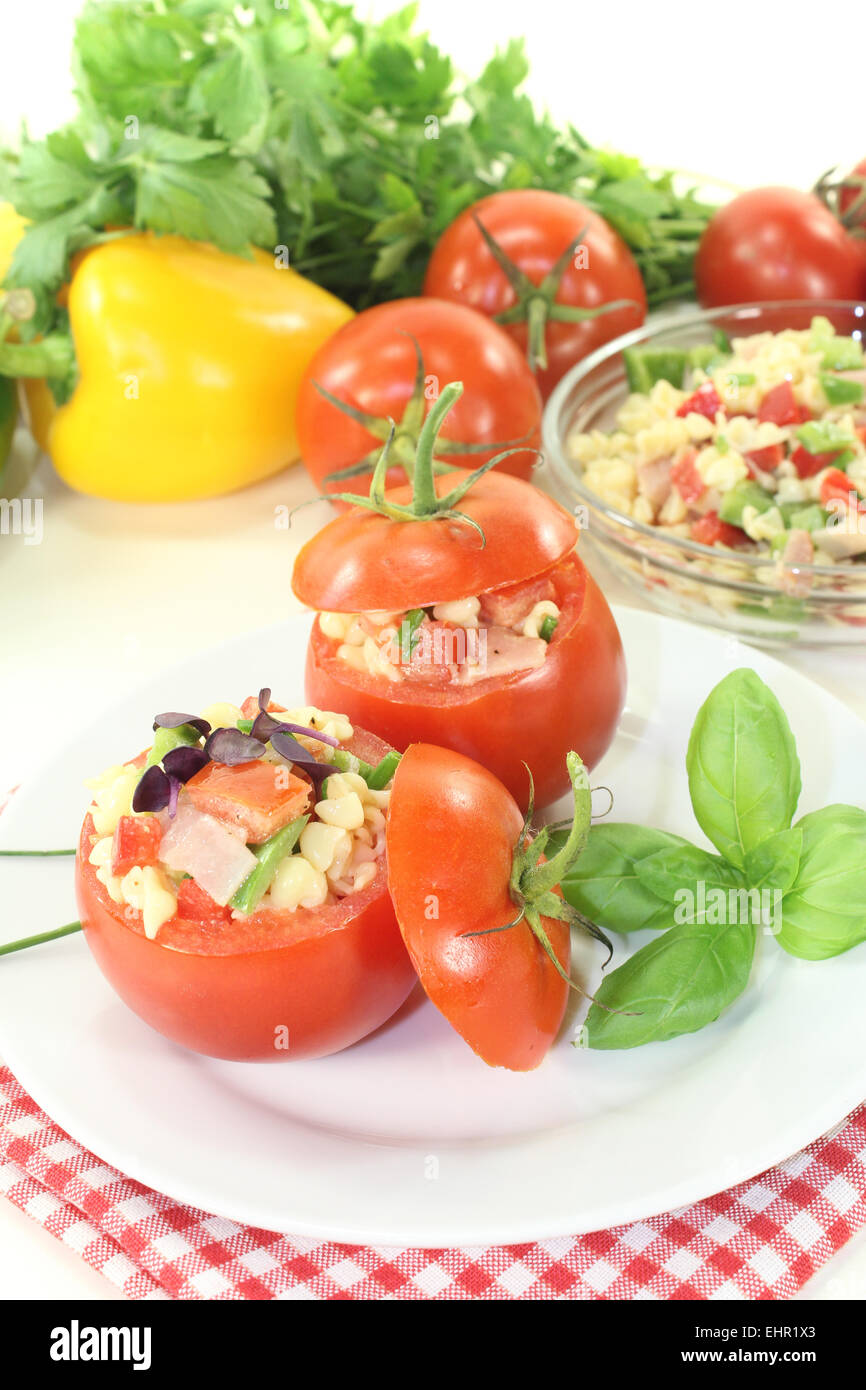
(705, 401)
(836, 486)
(257, 797)
(686, 478)
(196, 905)
(861, 434)
(807, 465)
(250, 707)
(779, 406)
(710, 530)
(136, 842)
(508, 606)
(767, 459)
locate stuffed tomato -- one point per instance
(232, 883)
(455, 611)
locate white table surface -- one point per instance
(114, 593)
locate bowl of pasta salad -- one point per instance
(718, 461)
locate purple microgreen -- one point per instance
(311, 733)
(230, 746)
(173, 789)
(263, 726)
(153, 791)
(266, 725)
(173, 720)
(184, 762)
(296, 753)
(264, 699)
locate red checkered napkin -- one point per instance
(763, 1239)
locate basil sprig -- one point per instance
(804, 883)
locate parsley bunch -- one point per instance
(294, 122)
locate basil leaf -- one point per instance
(673, 872)
(606, 883)
(676, 984)
(824, 914)
(744, 773)
(776, 861)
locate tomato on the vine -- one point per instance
(546, 267)
(777, 243)
(387, 367)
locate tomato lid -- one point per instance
(363, 561)
(452, 832)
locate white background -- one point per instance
(744, 93)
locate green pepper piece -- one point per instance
(723, 342)
(823, 437)
(811, 518)
(379, 776)
(840, 391)
(548, 627)
(344, 761)
(270, 855)
(166, 739)
(645, 366)
(705, 357)
(742, 495)
(842, 355)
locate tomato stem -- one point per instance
(536, 325)
(28, 941)
(52, 356)
(541, 878)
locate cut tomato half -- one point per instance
(452, 832)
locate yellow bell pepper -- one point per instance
(189, 364)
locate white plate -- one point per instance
(407, 1138)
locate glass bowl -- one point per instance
(750, 594)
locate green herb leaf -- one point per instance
(606, 883)
(744, 773)
(676, 984)
(823, 914)
(216, 199)
(775, 862)
(673, 875)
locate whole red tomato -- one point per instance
(534, 229)
(325, 976)
(372, 366)
(777, 243)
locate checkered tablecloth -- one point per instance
(761, 1240)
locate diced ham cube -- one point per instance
(654, 481)
(799, 550)
(257, 797)
(503, 653)
(199, 845)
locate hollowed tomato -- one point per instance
(534, 717)
(276, 986)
